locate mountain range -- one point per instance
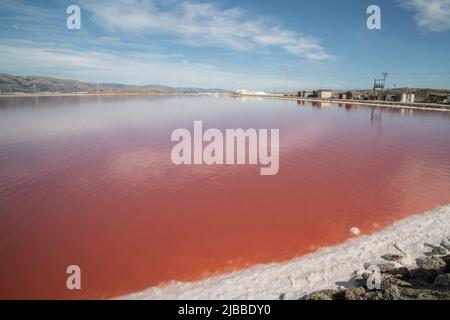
(35, 84)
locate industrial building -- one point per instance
(324, 94)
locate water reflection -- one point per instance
(349, 106)
(321, 104)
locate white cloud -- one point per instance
(308, 47)
(202, 24)
(432, 15)
(26, 57)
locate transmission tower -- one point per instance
(380, 83)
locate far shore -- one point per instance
(329, 268)
(111, 93)
(372, 103)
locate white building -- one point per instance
(325, 94)
(249, 92)
(408, 97)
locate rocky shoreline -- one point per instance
(429, 280)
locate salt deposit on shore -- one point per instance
(317, 271)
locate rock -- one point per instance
(392, 257)
(375, 295)
(433, 295)
(385, 267)
(445, 244)
(355, 231)
(388, 280)
(429, 281)
(421, 294)
(410, 293)
(355, 294)
(320, 295)
(442, 280)
(402, 272)
(429, 269)
(438, 251)
(426, 276)
(446, 259)
(340, 295)
(391, 292)
(433, 263)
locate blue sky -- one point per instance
(230, 44)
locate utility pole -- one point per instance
(385, 76)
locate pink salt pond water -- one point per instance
(89, 181)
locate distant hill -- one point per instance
(33, 84)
